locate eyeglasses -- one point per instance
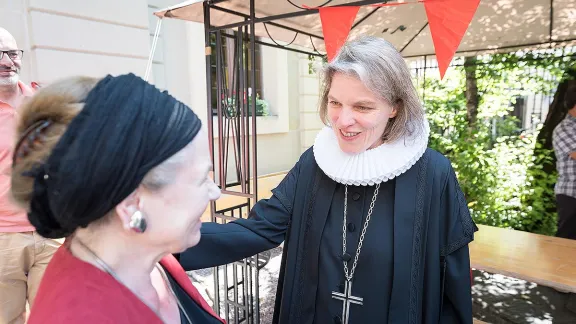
(12, 54)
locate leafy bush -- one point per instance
(495, 163)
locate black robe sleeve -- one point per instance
(264, 229)
(459, 231)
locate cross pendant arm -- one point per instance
(347, 299)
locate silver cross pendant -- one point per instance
(347, 299)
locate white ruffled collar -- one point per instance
(370, 167)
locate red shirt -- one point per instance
(73, 291)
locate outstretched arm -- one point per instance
(225, 243)
(264, 229)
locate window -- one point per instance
(228, 53)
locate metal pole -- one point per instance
(551, 22)
(424, 84)
(259, 42)
(294, 14)
(243, 111)
(219, 96)
(153, 49)
(519, 46)
(210, 123)
(256, 308)
(233, 12)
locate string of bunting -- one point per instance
(448, 21)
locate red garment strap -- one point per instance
(172, 265)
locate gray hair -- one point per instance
(166, 172)
(382, 69)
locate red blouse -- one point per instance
(73, 291)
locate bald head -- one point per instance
(10, 60)
(6, 39)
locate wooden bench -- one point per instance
(545, 260)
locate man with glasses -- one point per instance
(23, 253)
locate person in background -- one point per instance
(121, 170)
(564, 143)
(24, 254)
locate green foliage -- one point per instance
(470, 151)
(502, 179)
(539, 214)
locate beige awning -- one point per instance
(498, 24)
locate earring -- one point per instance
(138, 222)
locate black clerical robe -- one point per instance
(414, 267)
(372, 280)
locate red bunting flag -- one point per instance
(336, 24)
(448, 20)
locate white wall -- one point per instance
(92, 38)
(309, 90)
(176, 65)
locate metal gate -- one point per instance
(230, 77)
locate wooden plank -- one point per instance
(265, 185)
(479, 322)
(545, 260)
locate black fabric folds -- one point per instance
(127, 127)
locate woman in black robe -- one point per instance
(374, 223)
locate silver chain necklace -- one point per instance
(111, 272)
(346, 297)
(351, 275)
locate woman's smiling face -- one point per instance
(357, 116)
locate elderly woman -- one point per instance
(376, 228)
(121, 170)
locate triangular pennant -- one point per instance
(336, 24)
(448, 20)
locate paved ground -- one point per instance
(497, 299)
(204, 281)
(500, 299)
